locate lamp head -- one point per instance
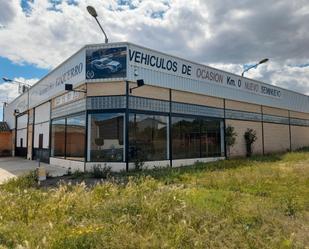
(140, 83)
(92, 11)
(263, 61)
(6, 79)
(68, 87)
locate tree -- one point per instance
(230, 138)
(250, 137)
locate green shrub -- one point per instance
(250, 138)
(77, 174)
(230, 138)
(101, 172)
(139, 164)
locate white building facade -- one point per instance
(177, 118)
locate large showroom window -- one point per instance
(185, 137)
(210, 138)
(195, 138)
(68, 138)
(148, 137)
(106, 134)
(75, 138)
(58, 138)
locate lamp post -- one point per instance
(19, 83)
(4, 104)
(91, 10)
(15, 82)
(254, 66)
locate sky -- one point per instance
(37, 35)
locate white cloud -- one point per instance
(223, 33)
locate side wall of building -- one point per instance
(300, 137)
(276, 138)
(6, 143)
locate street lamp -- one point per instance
(20, 83)
(4, 104)
(93, 13)
(140, 83)
(15, 82)
(22, 86)
(254, 66)
(69, 87)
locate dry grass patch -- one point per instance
(241, 203)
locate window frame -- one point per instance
(152, 113)
(88, 149)
(65, 136)
(177, 115)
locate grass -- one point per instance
(258, 203)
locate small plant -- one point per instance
(250, 138)
(77, 174)
(139, 164)
(290, 206)
(101, 172)
(138, 157)
(303, 149)
(230, 138)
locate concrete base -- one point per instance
(115, 167)
(118, 167)
(186, 162)
(74, 165)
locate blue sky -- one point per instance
(37, 35)
(12, 70)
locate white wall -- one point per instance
(74, 165)
(21, 134)
(22, 121)
(41, 120)
(42, 113)
(42, 128)
(53, 83)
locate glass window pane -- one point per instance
(75, 138)
(148, 137)
(210, 138)
(58, 138)
(106, 137)
(185, 138)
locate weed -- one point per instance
(101, 172)
(290, 206)
(77, 174)
(304, 149)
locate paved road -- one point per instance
(14, 166)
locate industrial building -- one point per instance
(107, 116)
